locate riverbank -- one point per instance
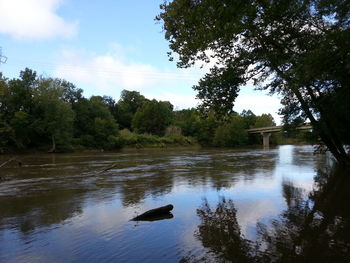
(126, 139)
(156, 145)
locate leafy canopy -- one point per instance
(299, 49)
(153, 117)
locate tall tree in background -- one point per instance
(297, 49)
(129, 103)
(249, 118)
(21, 92)
(265, 120)
(94, 123)
(56, 115)
(6, 132)
(231, 133)
(17, 109)
(71, 94)
(37, 111)
(153, 117)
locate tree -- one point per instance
(153, 117)
(188, 120)
(36, 111)
(71, 94)
(17, 108)
(22, 128)
(298, 49)
(19, 94)
(231, 133)
(94, 123)
(206, 129)
(3, 96)
(265, 120)
(129, 103)
(111, 104)
(57, 115)
(6, 132)
(6, 135)
(249, 118)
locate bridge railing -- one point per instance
(277, 129)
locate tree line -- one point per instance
(52, 114)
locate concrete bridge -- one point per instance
(266, 132)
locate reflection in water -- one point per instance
(155, 217)
(69, 208)
(219, 231)
(311, 229)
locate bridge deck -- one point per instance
(276, 129)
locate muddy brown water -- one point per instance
(69, 208)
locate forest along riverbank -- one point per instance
(52, 115)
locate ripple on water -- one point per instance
(66, 208)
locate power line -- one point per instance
(109, 71)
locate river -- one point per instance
(77, 207)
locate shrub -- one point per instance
(149, 140)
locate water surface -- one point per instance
(70, 208)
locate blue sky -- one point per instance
(104, 47)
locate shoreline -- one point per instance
(134, 148)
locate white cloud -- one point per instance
(34, 19)
(179, 101)
(258, 102)
(112, 72)
(249, 213)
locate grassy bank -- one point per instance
(134, 140)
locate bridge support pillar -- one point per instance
(266, 139)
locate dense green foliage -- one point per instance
(153, 117)
(53, 115)
(34, 112)
(94, 123)
(127, 106)
(297, 49)
(231, 133)
(37, 112)
(148, 140)
(265, 120)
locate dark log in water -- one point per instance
(10, 160)
(156, 218)
(159, 213)
(19, 162)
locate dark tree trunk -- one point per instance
(335, 148)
